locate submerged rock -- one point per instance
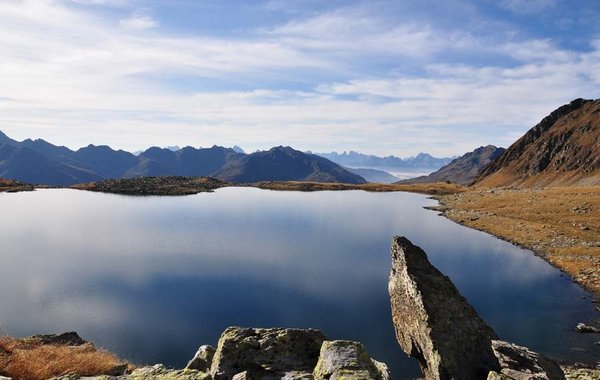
(349, 360)
(266, 353)
(433, 322)
(521, 363)
(583, 328)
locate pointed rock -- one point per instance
(433, 322)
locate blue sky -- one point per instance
(381, 77)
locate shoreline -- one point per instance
(538, 220)
(559, 225)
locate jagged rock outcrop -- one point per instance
(437, 326)
(520, 363)
(202, 361)
(254, 354)
(266, 353)
(560, 150)
(462, 170)
(433, 322)
(70, 338)
(342, 359)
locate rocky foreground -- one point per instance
(433, 323)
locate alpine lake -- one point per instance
(153, 278)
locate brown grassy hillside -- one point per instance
(562, 150)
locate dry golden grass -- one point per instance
(31, 360)
(561, 224)
(438, 188)
(8, 185)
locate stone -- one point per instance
(203, 359)
(520, 363)
(493, 375)
(266, 353)
(297, 375)
(70, 338)
(581, 373)
(348, 360)
(433, 322)
(241, 376)
(586, 329)
(118, 370)
(160, 372)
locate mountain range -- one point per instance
(40, 162)
(421, 162)
(562, 149)
(463, 170)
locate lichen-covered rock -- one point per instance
(493, 375)
(298, 375)
(241, 376)
(581, 373)
(433, 322)
(70, 338)
(159, 372)
(203, 359)
(520, 363)
(266, 353)
(348, 360)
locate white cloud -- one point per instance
(70, 77)
(138, 21)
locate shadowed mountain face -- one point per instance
(285, 164)
(563, 149)
(39, 162)
(462, 170)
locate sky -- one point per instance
(382, 77)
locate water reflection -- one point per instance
(153, 278)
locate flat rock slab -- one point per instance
(520, 363)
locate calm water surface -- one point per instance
(153, 278)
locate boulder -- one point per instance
(266, 353)
(203, 359)
(433, 322)
(349, 360)
(519, 363)
(297, 375)
(160, 372)
(586, 329)
(70, 338)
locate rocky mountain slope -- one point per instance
(463, 170)
(39, 162)
(284, 164)
(374, 175)
(563, 149)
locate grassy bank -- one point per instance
(562, 225)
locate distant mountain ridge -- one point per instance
(359, 160)
(39, 162)
(463, 170)
(562, 149)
